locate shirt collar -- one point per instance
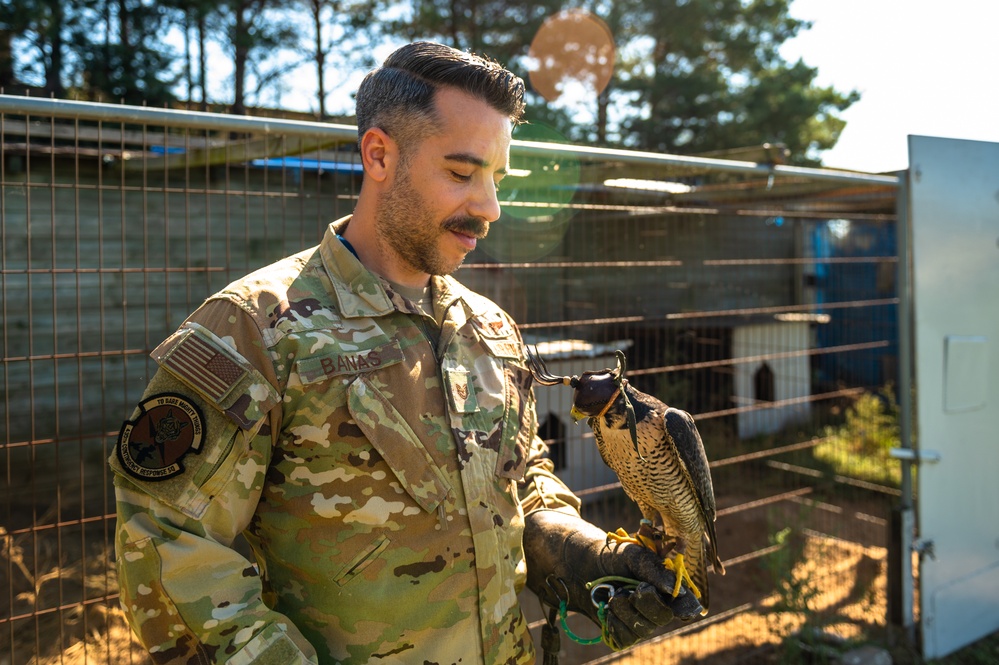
(360, 292)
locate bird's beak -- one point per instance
(576, 414)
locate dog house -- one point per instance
(772, 372)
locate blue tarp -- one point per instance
(299, 164)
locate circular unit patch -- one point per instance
(151, 446)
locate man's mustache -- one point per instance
(469, 226)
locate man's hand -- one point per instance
(565, 552)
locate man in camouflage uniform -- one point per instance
(367, 423)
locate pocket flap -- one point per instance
(398, 444)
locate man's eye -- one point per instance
(460, 176)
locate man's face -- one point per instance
(443, 195)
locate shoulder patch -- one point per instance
(168, 427)
(204, 366)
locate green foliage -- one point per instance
(41, 28)
(691, 76)
(334, 34)
(798, 615)
(136, 67)
(710, 77)
(501, 29)
(795, 593)
(859, 448)
(251, 32)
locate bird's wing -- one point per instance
(689, 448)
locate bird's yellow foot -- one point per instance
(677, 566)
(622, 536)
(646, 536)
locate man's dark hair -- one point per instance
(398, 97)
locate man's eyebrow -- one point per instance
(468, 158)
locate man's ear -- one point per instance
(379, 154)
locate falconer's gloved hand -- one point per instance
(565, 552)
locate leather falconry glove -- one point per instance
(565, 552)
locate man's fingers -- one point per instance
(625, 623)
(649, 568)
(651, 604)
(685, 606)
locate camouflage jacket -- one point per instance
(380, 482)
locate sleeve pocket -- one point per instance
(271, 647)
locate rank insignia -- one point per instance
(493, 326)
(460, 391)
(168, 427)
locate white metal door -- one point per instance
(954, 211)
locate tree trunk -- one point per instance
(6, 60)
(317, 7)
(202, 59)
(188, 69)
(53, 70)
(603, 101)
(126, 64)
(240, 56)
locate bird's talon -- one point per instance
(646, 536)
(621, 536)
(677, 566)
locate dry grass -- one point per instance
(850, 598)
(61, 598)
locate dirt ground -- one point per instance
(828, 575)
(817, 582)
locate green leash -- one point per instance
(605, 584)
(601, 615)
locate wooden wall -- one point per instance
(99, 266)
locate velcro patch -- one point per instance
(168, 427)
(460, 391)
(349, 362)
(493, 326)
(204, 366)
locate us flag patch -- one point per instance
(204, 367)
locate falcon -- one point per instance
(657, 454)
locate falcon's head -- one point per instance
(596, 391)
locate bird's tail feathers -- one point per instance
(712, 550)
(697, 567)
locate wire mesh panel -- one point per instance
(112, 234)
(770, 315)
(765, 305)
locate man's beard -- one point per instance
(405, 223)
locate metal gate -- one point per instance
(954, 213)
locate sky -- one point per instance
(922, 67)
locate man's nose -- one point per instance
(485, 203)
